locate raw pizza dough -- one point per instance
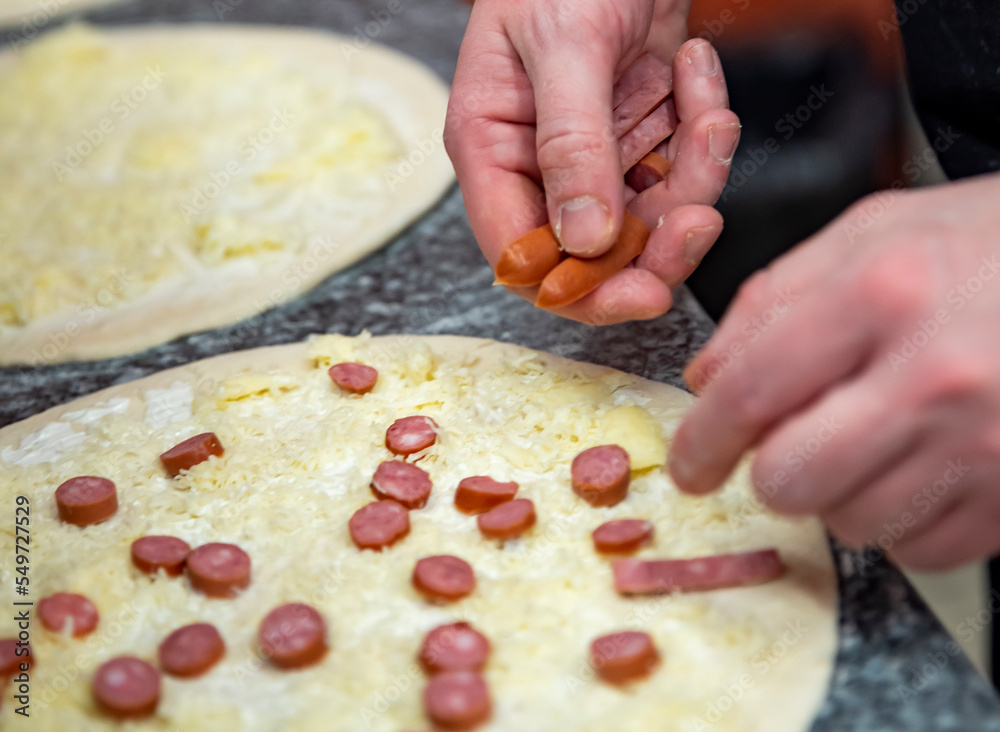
(299, 458)
(31, 16)
(161, 180)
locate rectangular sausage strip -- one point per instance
(641, 102)
(645, 136)
(660, 576)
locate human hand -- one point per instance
(531, 110)
(864, 367)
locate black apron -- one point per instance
(953, 58)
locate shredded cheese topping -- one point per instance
(299, 458)
(124, 166)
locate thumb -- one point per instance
(577, 151)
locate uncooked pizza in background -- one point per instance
(381, 533)
(166, 179)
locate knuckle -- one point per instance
(567, 149)
(952, 376)
(748, 402)
(895, 287)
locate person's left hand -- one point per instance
(864, 366)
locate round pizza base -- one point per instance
(407, 94)
(778, 689)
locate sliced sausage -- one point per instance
(623, 536)
(10, 661)
(444, 577)
(619, 658)
(526, 261)
(453, 647)
(150, 554)
(55, 611)
(86, 500)
(185, 455)
(508, 520)
(649, 171)
(634, 108)
(191, 650)
(408, 435)
(635, 76)
(293, 636)
(573, 278)
(601, 475)
(354, 378)
(653, 577)
(126, 688)
(642, 139)
(379, 525)
(458, 700)
(402, 482)
(219, 570)
(481, 493)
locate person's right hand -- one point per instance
(531, 110)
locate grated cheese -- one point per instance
(299, 458)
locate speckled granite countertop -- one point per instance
(897, 668)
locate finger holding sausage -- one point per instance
(573, 278)
(675, 248)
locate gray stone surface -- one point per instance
(895, 669)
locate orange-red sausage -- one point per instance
(354, 378)
(443, 578)
(458, 700)
(379, 525)
(619, 658)
(649, 171)
(293, 636)
(402, 482)
(642, 139)
(153, 553)
(55, 611)
(601, 475)
(191, 650)
(574, 278)
(126, 688)
(185, 455)
(453, 647)
(408, 435)
(526, 261)
(481, 493)
(86, 500)
(659, 576)
(219, 570)
(623, 536)
(508, 520)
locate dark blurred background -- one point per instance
(820, 90)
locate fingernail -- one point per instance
(701, 56)
(722, 141)
(583, 225)
(697, 242)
